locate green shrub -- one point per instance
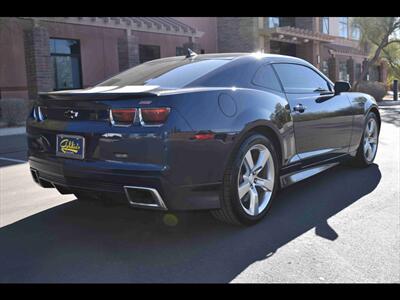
(376, 89)
(14, 111)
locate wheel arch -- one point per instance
(375, 110)
(264, 129)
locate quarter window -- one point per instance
(66, 62)
(266, 77)
(297, 78)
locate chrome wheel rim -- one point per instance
(370, 140)
(256, 180)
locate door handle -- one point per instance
(299, 108)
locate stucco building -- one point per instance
(53, 53)
(332, 44)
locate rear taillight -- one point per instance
(122, 116)
(39, 113)
(154, 116)
(146, 116)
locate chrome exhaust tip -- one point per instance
(144, 197)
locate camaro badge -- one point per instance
(68, 146)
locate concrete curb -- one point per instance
(388, 103)
(12, 131)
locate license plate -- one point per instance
(71, 146)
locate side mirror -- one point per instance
(342, 86)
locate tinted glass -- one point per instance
(66, 71)
(65, 55)
(180, 51)
(148, 52)
(266, 77)
(300, 79)
(167, 73)
(58, 46)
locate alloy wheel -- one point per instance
(370, 140)
(256, 180)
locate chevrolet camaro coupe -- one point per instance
(222, 132)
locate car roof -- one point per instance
(255, 55)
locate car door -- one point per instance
(322, 120)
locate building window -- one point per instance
(325, 25)
(66, 62)
(343, 26)
(148, 52)
(325, 67)
(273, 22)
(343, 75)
(180, 51)
(355, 32)
(358, 71)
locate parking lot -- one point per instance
(340, 226)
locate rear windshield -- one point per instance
(167, 73)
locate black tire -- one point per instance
(231, 210)
(360, 160)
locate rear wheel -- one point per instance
(369, 143)
(250, 182)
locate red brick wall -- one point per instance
(13, 83)
(167, 43)
(208, 25)
(99, 48)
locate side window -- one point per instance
(266, 77)
(300, 79)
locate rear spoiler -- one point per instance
(102, 93)
(124, 93)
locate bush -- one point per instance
(14, 111)
(376, 89)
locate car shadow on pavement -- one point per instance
(94, 242)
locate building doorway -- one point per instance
(283, 48)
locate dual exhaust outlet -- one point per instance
(137, 196)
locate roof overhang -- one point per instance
(162, 25)
(295, 35)
(346, 51)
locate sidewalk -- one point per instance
(12, 131)
(388, 101)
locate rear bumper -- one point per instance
(114, 178)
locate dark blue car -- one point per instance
(221, 132)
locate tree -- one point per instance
(392, 55)
(379, 33)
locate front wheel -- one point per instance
(250, 182)
(369, 143)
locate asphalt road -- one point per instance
(340, 226)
